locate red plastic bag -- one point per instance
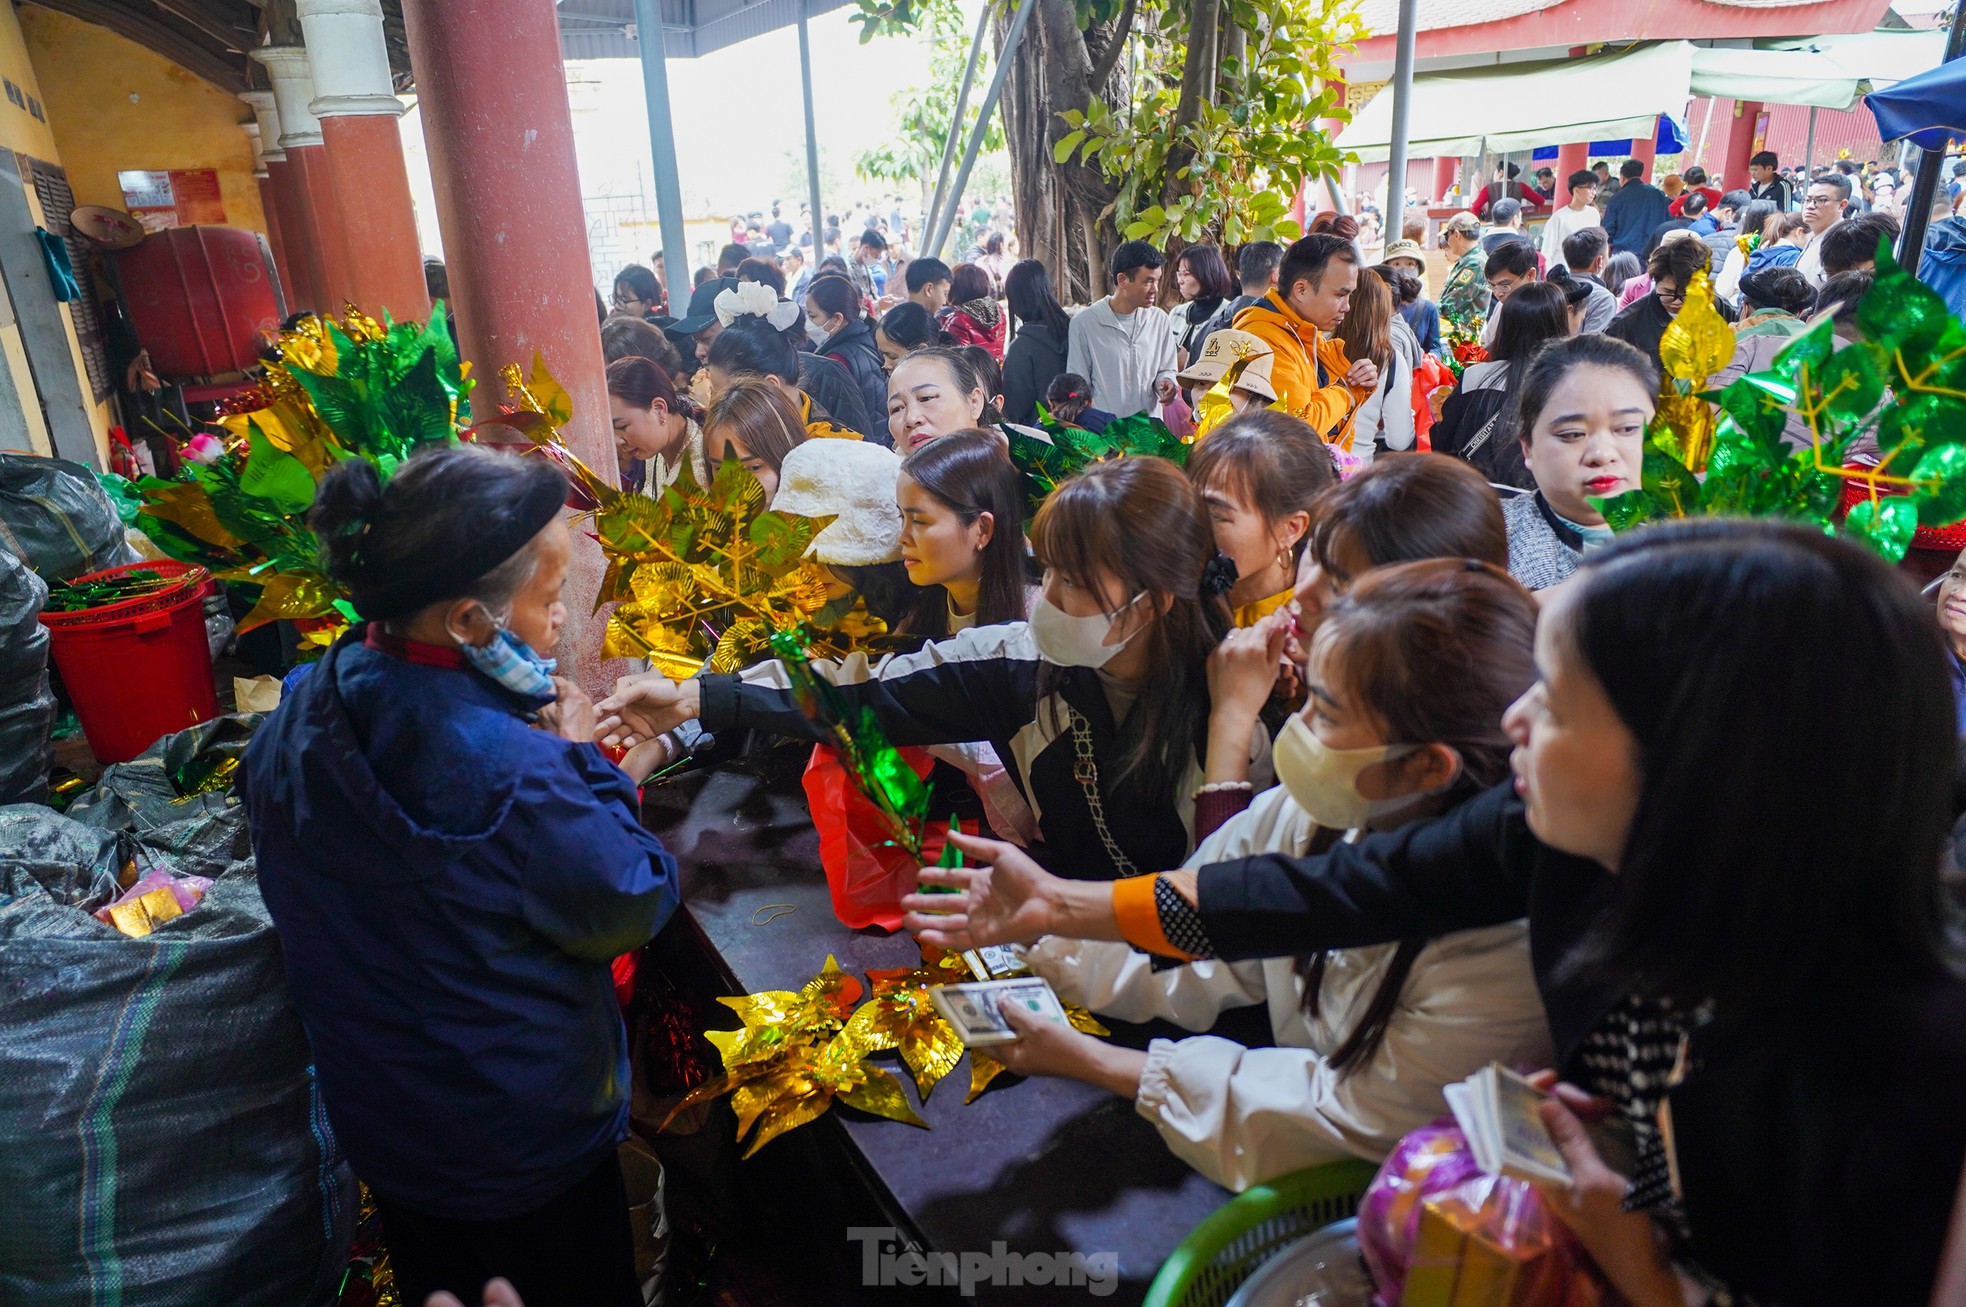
(1437, 1231)
(865, 870)
(1430, 376)
(623, 970)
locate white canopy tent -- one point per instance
(1521, 106)
(1510, 107)
(1822, 72)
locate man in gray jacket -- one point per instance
(1123, 344)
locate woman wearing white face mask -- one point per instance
(1097, 704)
(1409, 677)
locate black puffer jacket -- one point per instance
(853, 348)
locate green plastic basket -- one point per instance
(1238, 1237)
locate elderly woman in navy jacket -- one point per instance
(451, 864)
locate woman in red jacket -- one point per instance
(974, 316)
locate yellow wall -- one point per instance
(22, 132)
(116, 106)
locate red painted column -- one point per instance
(274, 238)
(297, 232)
(1574, 157)
(288, 230)
(312, 188)
(310, 164)
(1645, 149)
(372, 184)
(1737, 145)
(1446, 169)
(355, 102)
(515, 235)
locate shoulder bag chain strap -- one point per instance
(1085, 769)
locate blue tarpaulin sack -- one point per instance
(161, 1139)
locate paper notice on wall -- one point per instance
(179, 197)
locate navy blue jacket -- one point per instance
(1943, 264)
(1633, 214)
(449, 885)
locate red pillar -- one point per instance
(1646, 148)
(1574, 157)
(1737, 145)
(1446, 169)
(310, 163)
(372, 186)
(274, 238)
(356, 107)
(296, 217)
(515, 235)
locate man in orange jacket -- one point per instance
(1313, 378)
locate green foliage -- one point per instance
(1900, 380)
(913, 153)
(1236, 163)
(1073, 449)
(1228, 170)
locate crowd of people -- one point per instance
(1362, 717)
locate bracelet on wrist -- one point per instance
(1219, 787)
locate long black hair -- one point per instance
(1027, 288)
(911, 326)
(1786, 844)
(1139, 519)
(835, 294)
(1530, 318)
(969, 474)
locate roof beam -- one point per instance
(158, 35)
(230, 35)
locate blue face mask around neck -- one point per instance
(512, 664)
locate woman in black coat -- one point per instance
(1037, 353)
(847, 334)
(1729, 854)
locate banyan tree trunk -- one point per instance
(1059, 205)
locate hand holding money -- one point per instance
(981, 1012)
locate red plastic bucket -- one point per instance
(137, 669)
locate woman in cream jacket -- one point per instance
(1410, 673)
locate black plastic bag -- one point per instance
(176, 797)
(161, 1137)
(27, 704)
(56, 518)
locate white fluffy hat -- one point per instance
(852, 480)
(754, 299)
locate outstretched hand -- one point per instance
(498, 1293)
(643, 707)
(1004, 900)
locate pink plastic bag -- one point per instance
(1436, 1231)
(184, 891)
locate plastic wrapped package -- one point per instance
(164, 1139)
(56, 518)
(1437, 1231)
(27, 704)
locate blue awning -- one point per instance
(1929, 109)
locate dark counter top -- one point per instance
(1041, 1165)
